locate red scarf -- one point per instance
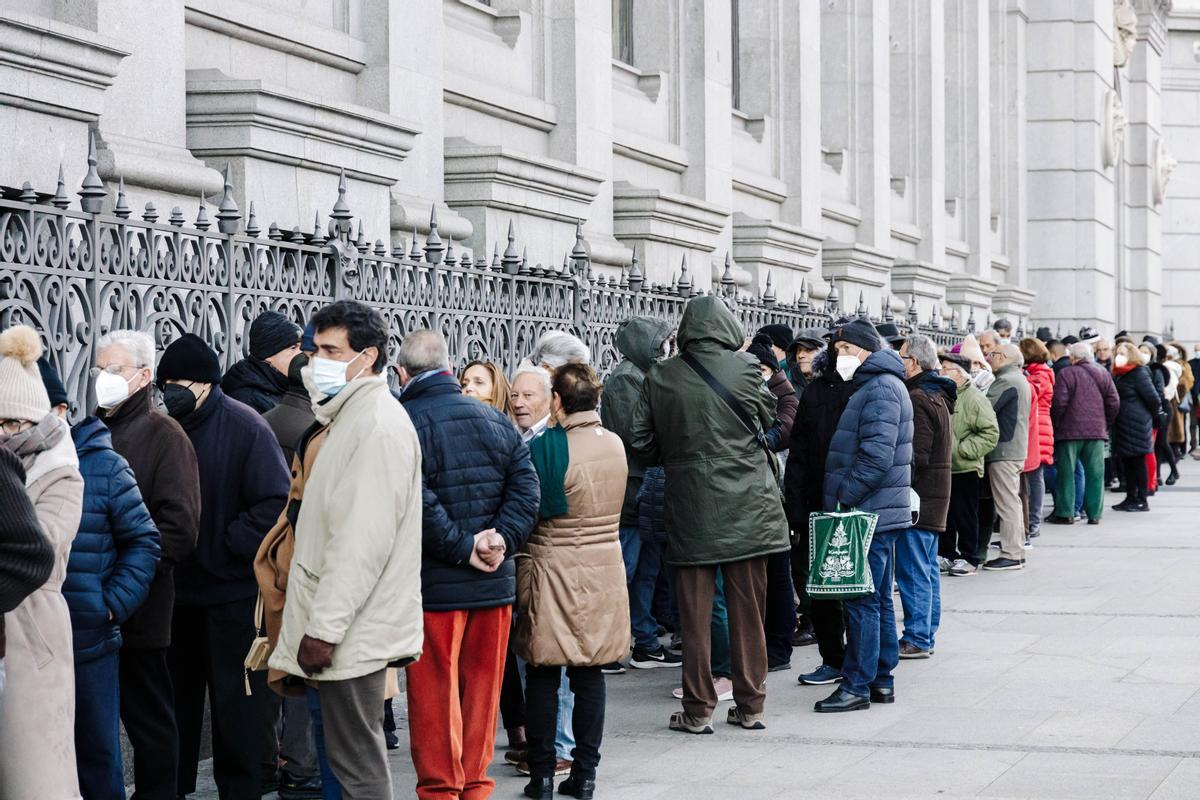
(1124, 369)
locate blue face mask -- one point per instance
(329, 376)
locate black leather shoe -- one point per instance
(578, 788)
(841, 700)
(1093, 521)
(540, 788)
(883, 694)
(1057, 520)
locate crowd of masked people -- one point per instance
(291, 545)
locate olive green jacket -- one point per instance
(722, 498)
(975, 430)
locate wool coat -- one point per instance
(1011, 399)
(933, 400)
(869, 466)
(572, 603)
(37, 725)
(355, 579)
(164, 464)
(722, 501)
(640, 341)
(1141, 405)
(477, 475)
(116, 550)
(1085, 402)
(976, 431)
(1041, 380)
(243, 486)
(256, 383)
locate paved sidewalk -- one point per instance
(1076, 678)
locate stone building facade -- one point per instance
(981, 157)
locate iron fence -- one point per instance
(74, 275)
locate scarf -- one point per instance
(1125, 369)
(550, 458)
(28, 443)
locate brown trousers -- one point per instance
(745, 596)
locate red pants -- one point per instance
(453, 699)
(1152, 471)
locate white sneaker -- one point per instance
(944, 565)
(962, 567)
(724, 688)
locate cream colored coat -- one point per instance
(572, 602)
(37, 714)
(355, 579)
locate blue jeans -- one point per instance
(330, 788)
(1050, 473)
(642, 624)
(631, 546)
(919, 580)
(1037, 497)
(98, 727)
(872, 650)
(719, 658)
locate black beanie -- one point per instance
(858, 332)
(53, 383)
(272, 332)
(188, 358)
(760, 348)
(779, 335)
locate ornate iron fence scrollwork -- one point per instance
(74, 275)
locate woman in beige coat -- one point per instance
(37, 720)
(572, 604)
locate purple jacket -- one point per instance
(1085, 402)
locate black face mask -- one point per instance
(179, 400)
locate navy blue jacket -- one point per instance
(477, 475)
(870, 457)
(115, 554)
(243, 487)
(652, 506)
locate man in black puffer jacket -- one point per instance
(481, 497)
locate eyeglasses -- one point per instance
(112, 369)
(14, 426)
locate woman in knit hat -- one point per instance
(37, 728)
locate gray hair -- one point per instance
(1080, 351)
(138, 344)
(923, 350)
(557, 348)
(423, 351)
(528, 368)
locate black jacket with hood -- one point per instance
(640, 341)
(256, 383)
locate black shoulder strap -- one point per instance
(737, 408)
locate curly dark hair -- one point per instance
(364, 326)
(577, 387)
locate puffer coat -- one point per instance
(1041, 427)
(869, 466)
(477, 475)
(572, 604)
(115, 554)
(723, 500)
(37, 726)
(933, 399)
(640, 341)
(975, 430)
(1141, 405)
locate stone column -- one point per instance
(1071, 189)
(1181, 206)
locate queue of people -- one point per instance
(272, 545)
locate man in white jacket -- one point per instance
(354, 591)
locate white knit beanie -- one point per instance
(22, 394)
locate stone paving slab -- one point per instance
(1076, 678)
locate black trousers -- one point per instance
(963, 525)
(208, 647)
(541, 718)
(1136, 478)
(1162, 447)
(512, 694)
(148, 713)
(826, 617)
(780, 609)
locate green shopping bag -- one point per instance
(838, 543)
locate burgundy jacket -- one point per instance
(1085, 402)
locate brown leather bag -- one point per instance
(272, 563)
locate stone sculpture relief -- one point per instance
(1114, 127)
(1163, 165)
(1124, 31)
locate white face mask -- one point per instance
(111, 390)
(983, 379)
(846, 366)
(1005, 340)
(329, 376)
(1121, 360)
